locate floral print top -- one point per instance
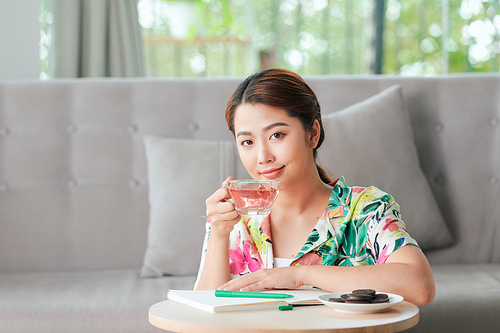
(361, 226)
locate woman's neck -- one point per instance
(295, 214)
(309, 195)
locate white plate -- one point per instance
(359, 308)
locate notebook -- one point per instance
(207, 301)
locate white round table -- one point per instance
(172, 316)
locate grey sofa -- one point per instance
(74, 209)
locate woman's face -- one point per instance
(273, 145)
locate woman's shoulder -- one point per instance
(359, 196)
(371, 193)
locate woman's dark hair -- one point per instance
(285, 90)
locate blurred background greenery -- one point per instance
(211, 38)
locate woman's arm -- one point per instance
(406, 272)
(223, 217)
(216, 267)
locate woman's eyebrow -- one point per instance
(267, 128)
(244, 133)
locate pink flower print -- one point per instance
(237, 258)
(241, 259)
(391, 225)
(357, 189)
(253, 265)
(250, 248)
(245, 222)
(382, 257)
(310, 258)
(265, 226)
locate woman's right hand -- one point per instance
(221, 212)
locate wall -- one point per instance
(19, 38)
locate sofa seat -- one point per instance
(467, 300)
(92, 301)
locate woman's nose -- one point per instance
(265, 154)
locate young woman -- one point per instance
(319, 232)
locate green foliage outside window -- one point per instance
(192, 38)
(45, 20)
(237, 37)
(414, 43)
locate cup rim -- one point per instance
(265, 181)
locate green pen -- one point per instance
(249, 294)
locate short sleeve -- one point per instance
(387, 233)
(203, 253)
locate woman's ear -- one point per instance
(314, 134)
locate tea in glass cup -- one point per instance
(254, 197)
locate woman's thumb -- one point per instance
(226, 182)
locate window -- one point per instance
(237, 37)
(197, 38)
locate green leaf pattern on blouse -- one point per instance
(362, 226)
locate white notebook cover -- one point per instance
(207, 301)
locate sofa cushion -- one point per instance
(467, 300)
(182, 174)
(371, 143)
(97, 301)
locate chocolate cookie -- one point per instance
(359, 297)
(338, 300)
(370, 292)
(380, 298)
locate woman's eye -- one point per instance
(277, 135)
(246, 143)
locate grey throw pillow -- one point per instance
(371, 143)
(182, 174)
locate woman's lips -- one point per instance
(272, 173)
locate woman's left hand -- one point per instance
(274, 278)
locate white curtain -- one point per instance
(96, 38)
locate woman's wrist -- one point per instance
(301, 274)
(218, 242)
(219, 235)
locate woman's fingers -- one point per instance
(239, 282)
(275, 278)
(216, 208)
(221, 212)
(230, 218)
(221, 194)
(248, 282)
(226, 207)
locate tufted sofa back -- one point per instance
(73, 181)
(456, 125)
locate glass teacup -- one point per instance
(254, 197)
